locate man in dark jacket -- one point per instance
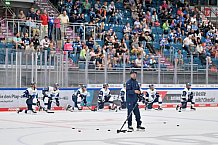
(132, 94)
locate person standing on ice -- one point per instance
(132, 94)
(153, 96)
(104, 96)
(187, 96)
(49, 94)
(32, 99)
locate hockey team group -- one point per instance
(129, 96)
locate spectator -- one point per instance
(138, 61)
(92, 15)
(118, 57)
(187, 42)
(36, 43)
(166, 27)
(64, 19)
(68, 6)
(44, 19)
(111, 8)
(83, 53)
(100, 62)
(154, 19)
(68, 46)
(81, 18)
(148, 40)
(86, 6)
(179, 57)
(31, 14)
(38, 15)
(32, 27)
(97, 6)
(17, 41)
(118, 16)
(77, 46)
(137, 23)
(45, 43)
(26, 42)
(127, 29)
(50, 25)
(90, 43)
(57, 31)
(152, 62)
(164, 5)
(22, 17)
(92, 54)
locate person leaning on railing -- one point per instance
(31, 25)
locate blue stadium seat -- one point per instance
(119, 35)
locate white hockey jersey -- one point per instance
(33, 93)
(123, 93)
(103, 92)
(52, 92)
(151, 94)
(186, 93)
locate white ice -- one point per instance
(195, 128)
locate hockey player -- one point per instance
(78, 98)
(187, 96)
(32, 99)
(104, 96)
(49, 94)
(123, 96)
(153, 96)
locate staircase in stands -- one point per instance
(50, 8)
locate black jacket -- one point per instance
(131, 86)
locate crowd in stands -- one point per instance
(146, 29)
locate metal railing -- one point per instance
(19, 68)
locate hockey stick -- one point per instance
(121, 129)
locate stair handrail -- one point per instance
(8, 8)
(50, 3)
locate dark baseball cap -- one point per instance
(132, 71)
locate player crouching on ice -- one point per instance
(79, 98)
(123, 96)
(187, 96)
(32, 99)
(50, 94)
(152, 96)
(104, 96)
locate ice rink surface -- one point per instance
(167, 127)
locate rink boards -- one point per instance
(205, 96)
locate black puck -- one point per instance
(108, 130)
(97, 129)
(73, 128)
(79, 130)
(177, 125)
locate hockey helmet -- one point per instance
(188, 84)
(151, 85)
(32, 83)
(56, 85)
(83, 86)
(105, 85)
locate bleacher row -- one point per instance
(157, 32)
